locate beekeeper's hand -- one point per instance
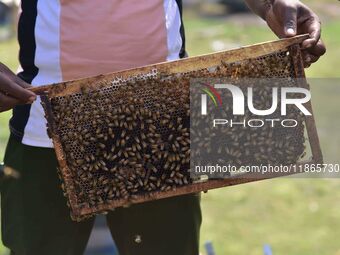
(13, 90)
(288, 18)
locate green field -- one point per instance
(8, 56)
(294, 216)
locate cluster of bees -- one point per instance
(132, 138)
(237, 144)
(240, 145)
(120, 143)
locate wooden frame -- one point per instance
(169, 68)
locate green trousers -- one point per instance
(35, 219)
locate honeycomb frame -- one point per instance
(178, 69)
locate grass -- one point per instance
(9, 56)
(294, 216)
(8, 53)
(203, 33)
(3, 132)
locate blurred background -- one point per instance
(293, 216)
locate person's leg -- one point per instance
(34, 217)
(164, 227)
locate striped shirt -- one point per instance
(69, 39)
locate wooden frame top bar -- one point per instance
(172, 67)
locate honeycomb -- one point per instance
(242, 145)
(129, 138)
